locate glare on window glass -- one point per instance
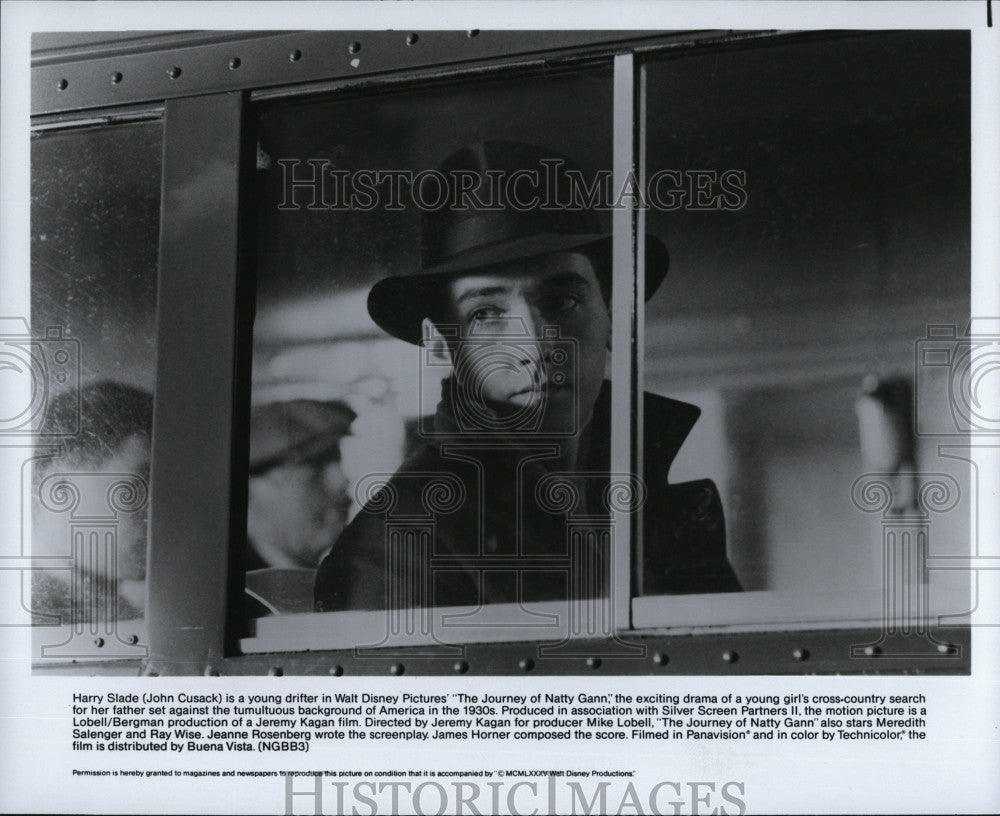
(95, 202)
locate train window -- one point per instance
(418, 370)
(818, 224)
(584, 342)
(95, 207)
(777, 447)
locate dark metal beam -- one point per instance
(198, 492)
(97, 75)
(822, 652)
(765, 653)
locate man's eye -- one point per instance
(485, 313)
(563, 303)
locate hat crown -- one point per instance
(495, 192)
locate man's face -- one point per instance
(51, 531)
(519, 300)
(296, 511)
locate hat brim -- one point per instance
(399, 304)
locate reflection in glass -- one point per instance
(849, 236)
(95, 223)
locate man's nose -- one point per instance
(536, 350)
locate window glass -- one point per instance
(815, 201)
(95, 204)
(428, 373)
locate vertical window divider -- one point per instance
(199, 319)
(624, 298)
(639, 337)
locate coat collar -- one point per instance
(666, 424)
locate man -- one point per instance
(516, 300)
(96, 484)
(298, 499)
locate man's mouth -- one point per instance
(540, 389)
(536, 388)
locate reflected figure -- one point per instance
(885, 420)
(89, 504)
(516, 303)
(298, 494)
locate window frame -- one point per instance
(125, 639)
(198, 491)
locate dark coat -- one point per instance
(464, 523)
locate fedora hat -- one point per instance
(491, 203)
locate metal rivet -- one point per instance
(336, 671)
(947, 648)
(593, 662)
(801, 654)
(235, 63)
(211, 671)
(872, 651)
(730, 656)
(275, 671)
(62, 84)
(355, 62)
(99, 642)
(396, 669)
(472, 32)
(133, 639)
(660, 659)
(116, 77)
(174, 72)
(526, 664)
(461, 667)
(354, 47)
(411, 39)
(295, 55)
